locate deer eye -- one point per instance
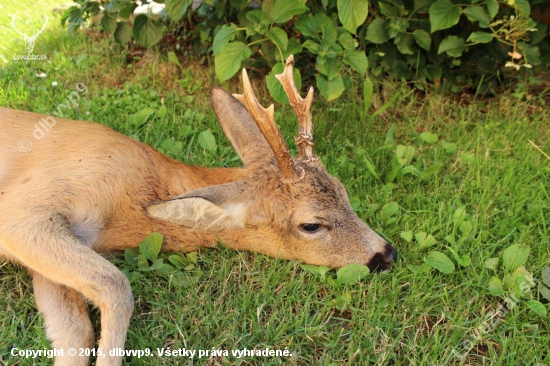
(310, 228)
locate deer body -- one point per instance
(84, 190)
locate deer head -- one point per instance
(29, 40)
(286, 207)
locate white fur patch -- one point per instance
(200, 214)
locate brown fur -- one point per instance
(84, 190)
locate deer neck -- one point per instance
(175, 178)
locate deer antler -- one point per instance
(302, 108)
(13, 17)
(44, 26)
(265, 120)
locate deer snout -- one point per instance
(383, 260)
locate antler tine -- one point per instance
(265, 120)
(13, 17)
(302, 108)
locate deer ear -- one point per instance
(239, 127)
(208, 208)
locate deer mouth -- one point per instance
(383, 261)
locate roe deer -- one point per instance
(84, 190)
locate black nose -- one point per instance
(393, 255)
(384, 260)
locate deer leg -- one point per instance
(53, 252)
(65, 318)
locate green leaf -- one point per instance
(131, 255)
(192, 257)
(330, 89)
(151, 245)
(281, 11)
(531, 53)
(537, 307)
(139, 118)
(157, 264)
(228, 60)
(389, 209)
(357, 60)
(422, 38)
(147, 32)
(422, 6)
(330, 67)
(275, 88)
(108, 22)
(278, 36)
(371, 168)
(466, 227)
(259, 20)
(492, 6)
(352, 273)
(207, 141)
(495, 286)
(443, 14)
(544, 292)
(308, 25)
(449, 147)
(388, 10)
(419, 269)
(320, 271)
(312, 46)
(174, 59)
(430, 138)
(463, 260)
(341, 302)
(407, 236)
(368, 89)
(480, 37)
(176, 9)
(397, 26)
(431, 170)
(467, 158)
(523, 6)
(378, 31)
(491, 263)
(440, 262)
(116, 5)
(453, 46)
(433, 72)
(123, 33)
(424, 240)
(404, 154)
(225, 35)
(143, 263)
(450, 239)
(545, 274)
(514, 256)
(476, 13)
(178, 260)
(352, 13)
(165, 268)
(347, 41)
(127, 11)
(404, 43)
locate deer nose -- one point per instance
(384, 260)
(392, 257)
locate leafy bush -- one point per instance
(454, 44)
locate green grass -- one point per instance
(245, 300)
